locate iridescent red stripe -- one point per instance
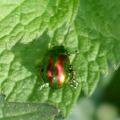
(50, 69)
(57, 71)
(59, 65)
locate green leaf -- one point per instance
(31, 18)
(25, 111)
(1, 104)
(94, 32)
(97, 32)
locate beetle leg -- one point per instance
(41, 70)
(71, 71)
(43, 85)
(72, 81)
(41, 77)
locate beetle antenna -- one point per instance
(75, 52)
(46, 40)
(66, 35)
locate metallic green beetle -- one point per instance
(56, 66)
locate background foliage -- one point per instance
(94, 31)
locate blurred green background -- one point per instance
(104, 103)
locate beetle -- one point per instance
(56, 67)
